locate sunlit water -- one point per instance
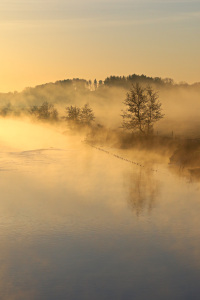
(79, 223)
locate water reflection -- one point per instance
(192, 175)
(66, 232)
(144, 190)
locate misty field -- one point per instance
(82, 221)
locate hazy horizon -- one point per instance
(98, 79)
(99, 181)
(45, 41)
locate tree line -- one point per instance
(142, 110)
(74, 115)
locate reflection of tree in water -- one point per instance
(144, 190)
(191, 174)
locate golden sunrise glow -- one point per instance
(99, 149)
(96, 39)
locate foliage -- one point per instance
(126, 82)
(9, 110)
(73, 115)
(44, 112)
(153, 109)
(6, 110)
(143, 109)
(79, 116)
(86, 115)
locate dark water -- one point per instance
(79, 223)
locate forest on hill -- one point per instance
(180, 102)
(107, 112)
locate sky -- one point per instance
(48, 40)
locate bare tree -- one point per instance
(154, 111)
(77, 117)
(72, 116)
(45, 112)
(135, 115)
(143, 109)
(73, 113)
(86, 115)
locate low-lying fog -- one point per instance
(79, 222)
(180, 103)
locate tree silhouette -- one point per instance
(77, 117)
(86, 115)
(153, 109)
(73, 113)
(95, 84)
(73, 116)
(143, 109)
(44, 112)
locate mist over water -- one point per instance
(180, 102)
(80, 223)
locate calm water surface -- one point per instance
(79, 223)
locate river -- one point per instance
(80, 223)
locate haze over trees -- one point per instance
(46, 111)
(76, 116)
(73, 113)
(180, 102)
(143, 109)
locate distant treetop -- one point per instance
(134, 78)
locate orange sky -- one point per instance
(49, 40)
